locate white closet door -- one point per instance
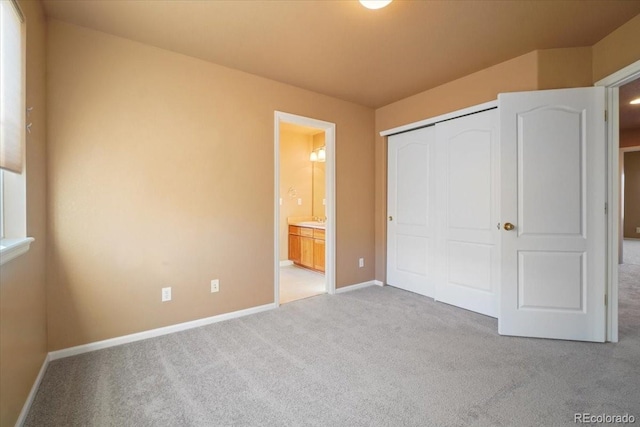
(553, 178)
(410, 204)
(467, 255)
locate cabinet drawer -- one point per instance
(318, 233)
(294, 230)
(307, 232)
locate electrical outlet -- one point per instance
(166, 294)
(361, 262)
(638, 230)
(299, 202)
(215, 285)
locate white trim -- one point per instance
(433, 120)
(330, 207)
(350, 288)
(13, 248)
(32, 394)
(112, 342)
(621, 77)
(286, 263)
(18, 10)
(612, 83)
(630, 149)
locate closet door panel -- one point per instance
(469, 265)
(410, 204)
(467, 205)
(469, 180)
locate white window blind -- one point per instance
(12, 101)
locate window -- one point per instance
(13, 229)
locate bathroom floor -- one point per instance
(298, 283)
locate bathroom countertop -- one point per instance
(310, 224)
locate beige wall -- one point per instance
(629, 138)
(295, 182)
(617, 50)
(161, 174)
(563, 68)
(23, 329)
(631, 194)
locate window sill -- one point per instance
(13, 248)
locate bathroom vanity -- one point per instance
(306, 245)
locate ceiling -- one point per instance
(341, 49)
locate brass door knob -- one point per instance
(508, 226)
(390, 218)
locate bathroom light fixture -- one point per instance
(318, 155)
(635, 101)
(375, 4)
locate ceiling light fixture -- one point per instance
(635, 101)
(375, 4)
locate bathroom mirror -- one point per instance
(318, 180)
(318, 190)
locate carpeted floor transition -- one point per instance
(371, 357)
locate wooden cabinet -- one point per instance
(318, 254)
(294, 248)
(306, 247)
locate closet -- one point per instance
(501, 209)
(443, 204)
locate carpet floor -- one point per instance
(377, 356)
(631, 251)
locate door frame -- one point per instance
(611, 84)
(330, 194)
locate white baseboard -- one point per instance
(112, 342)
(286, 263)
(32, 394)
(358, 286)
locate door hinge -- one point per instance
(606, 300)
(606, 116)
(606, 208)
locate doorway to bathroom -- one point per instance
(304, 206)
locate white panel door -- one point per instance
(553, 194)
(410, 203)
(467, 255)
